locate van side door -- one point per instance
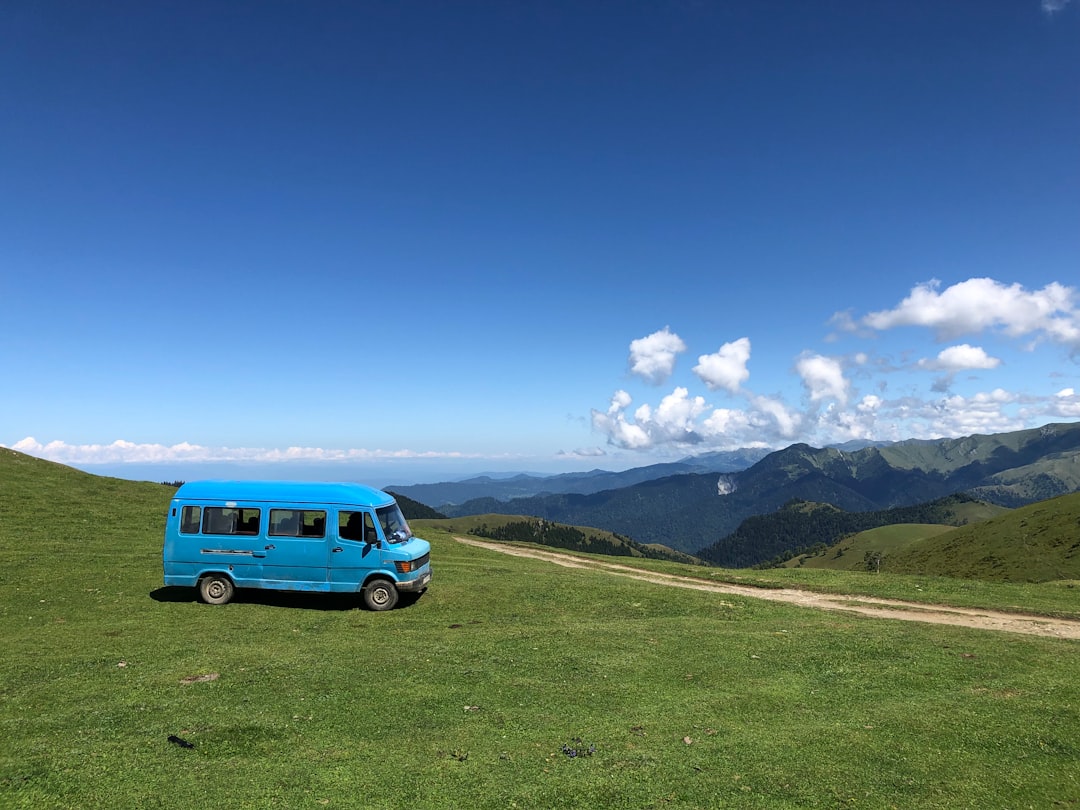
(296, 549)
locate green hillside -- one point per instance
(511, 683)
(55, 509)
(1035, 543)
(866, 550)
(804, 527)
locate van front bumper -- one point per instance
(417, 584)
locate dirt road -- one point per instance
(866, 605)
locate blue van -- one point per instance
(292, 536)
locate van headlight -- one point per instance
(411, 566)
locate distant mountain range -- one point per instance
(525, 485)
(692, 510)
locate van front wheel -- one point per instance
(216, 589)
(380, 594)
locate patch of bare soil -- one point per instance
(865, 605)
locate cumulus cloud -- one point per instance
(619, 400)
(979, 304)
(614, 425)
(726, 422)
(1066, 404)
(653, 357)
(676, 415)
(123, 452)
(725, 368)
(870, 403)
(673, 421)
(684, 420)
(834, 411)
(961, 358)
(823, 378)
(773, 413)
(982, 413)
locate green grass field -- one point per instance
(475, 696)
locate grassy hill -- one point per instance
(1035, 543)
(511, 683)
(866, 551)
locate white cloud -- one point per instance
(774, 414)
(614, 425)
(619, 400)
(979, 304)
(832, 412)
(961, 358)
(870, 403)
(653, 357)
(1054, 6)
(725, 422)
(582, 452)
(677, 413)
(673, 421)
(125, 452)
(843, 425)
(1066, 404)
(984, 412)
(725, 368)
(680, 420)
(823, 378)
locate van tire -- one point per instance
(216, 589)
(380, 594)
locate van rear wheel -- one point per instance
(216, 589)
(380, 594)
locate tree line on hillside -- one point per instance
(802, 527)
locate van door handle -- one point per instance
(336, 550)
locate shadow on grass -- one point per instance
(283, 599)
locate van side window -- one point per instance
(297, 523)
(314, 524)
(190, 518)
(359, 526)
(225, 520)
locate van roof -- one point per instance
(283, 491)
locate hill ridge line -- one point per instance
(874, 607)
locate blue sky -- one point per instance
(403, 241)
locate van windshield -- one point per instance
(394, 527)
